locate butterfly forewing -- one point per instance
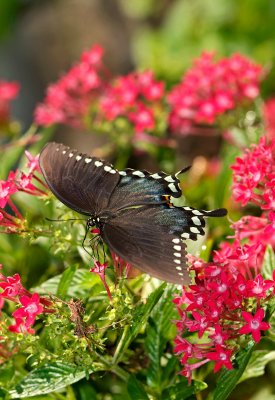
(83, 183)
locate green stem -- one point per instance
(117, 354)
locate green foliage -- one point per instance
(228, 379)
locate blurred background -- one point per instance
(41, 39)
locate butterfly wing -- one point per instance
(81, 182)
(149, 239)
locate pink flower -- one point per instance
(134, 97)
(254, 324)
(69, 99)
(254, 175)
(143, 119)
(221, 356)
(269, 117)
(21, 327)
(12, 286)
(8, 91)
(33, 162)
(7, 188)
(211, 88)
(31, 308)
(99, 269)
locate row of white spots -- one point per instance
(173, 187)
(107, 168)
(177, 260)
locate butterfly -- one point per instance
(132, 208)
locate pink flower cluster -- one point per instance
(31, 304)
(254, 175)
(210, 88)
(215, 308)
(269, 117)
(8, 92)
(19, 181)
(69, 99)
(135, 97)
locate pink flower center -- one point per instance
(32, 308)
(254, 324)
(222, 288)
(223, 356)
(218, 339)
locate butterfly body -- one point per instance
(132, 209)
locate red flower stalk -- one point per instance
(99, 269)
(211, 88)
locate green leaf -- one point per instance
(229, 378)
(66, 281)
(268, 263)
(157, 336)
(82, 281)
(48, 378)
(136, 389)
(141, 314)
(182, 390)
(257, 363)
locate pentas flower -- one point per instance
(99, 269)
(254, 324)
(210, 88)
(69, 99)
(121, 266)
(216, 307)
(254, 175)
(136, 97)
(31, 307)
(31, 304)
(8, 92)
(12, 287)
(269, 117)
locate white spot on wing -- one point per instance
(178, 268)
(196, 221)
(178, 248)
(197, 212)
(177, 261)
(177, 254)
(172, 187)
(169, 178)
(70, 155)
(107, 168)
(88, 160)
(78, 158)
(122, 173)
(64, 152)
(194, 230)
(139, 173)
(185, 235)
(98, 163)
(176, 240)
(156, 176)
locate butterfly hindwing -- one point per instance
(149, 239)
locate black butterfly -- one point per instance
(132, 209)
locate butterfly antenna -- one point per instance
(64, 220)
